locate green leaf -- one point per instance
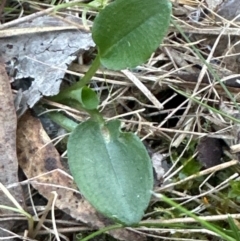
(127, 32)
(234, 228)
(85, 96)
(112, 170)
(235, 189)
(190, 167)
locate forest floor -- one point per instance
(193, 140)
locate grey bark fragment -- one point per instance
(44, 57)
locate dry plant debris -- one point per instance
(8, 152)
(41, 50)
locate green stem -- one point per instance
(88, 76)
(75, 3)
(96, 115)
(201, 221)
(103, 230)
(30, 225)
(21, 211)
(65, 94)
(63, 121)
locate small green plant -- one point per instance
(112, 168)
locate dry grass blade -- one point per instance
(204, 172)
(143, 89)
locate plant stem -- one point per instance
(103, 230)
(65, 94)
(66, 123)
(201, 221)
(88, 76)
(75, 3)
(96, 115)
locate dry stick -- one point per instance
(217, 188)
(143, 88)
(43, 218)
(67, 230)
(173, 230)
(182, 104)
(201, 74)
(2, 8)
(126, 114)
(32, 30)
(122, 83)
(55, 195)
(192, 220)
(213, 30)
(27, 18)
(14, 235)
(186, 27)
(222, 18)
(156, 128)
(202, 173)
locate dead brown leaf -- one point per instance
(8, 157)
(41, 163)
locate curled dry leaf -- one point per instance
(39, 59)
(41, 163)
(8, 157)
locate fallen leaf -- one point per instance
(43, 57)
(41, 163)
(8, 156)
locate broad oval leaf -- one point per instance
(85, 96)
(112, 170)
(127, 32)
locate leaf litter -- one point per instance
(8, 152)
(43, 56)
(162, 73)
